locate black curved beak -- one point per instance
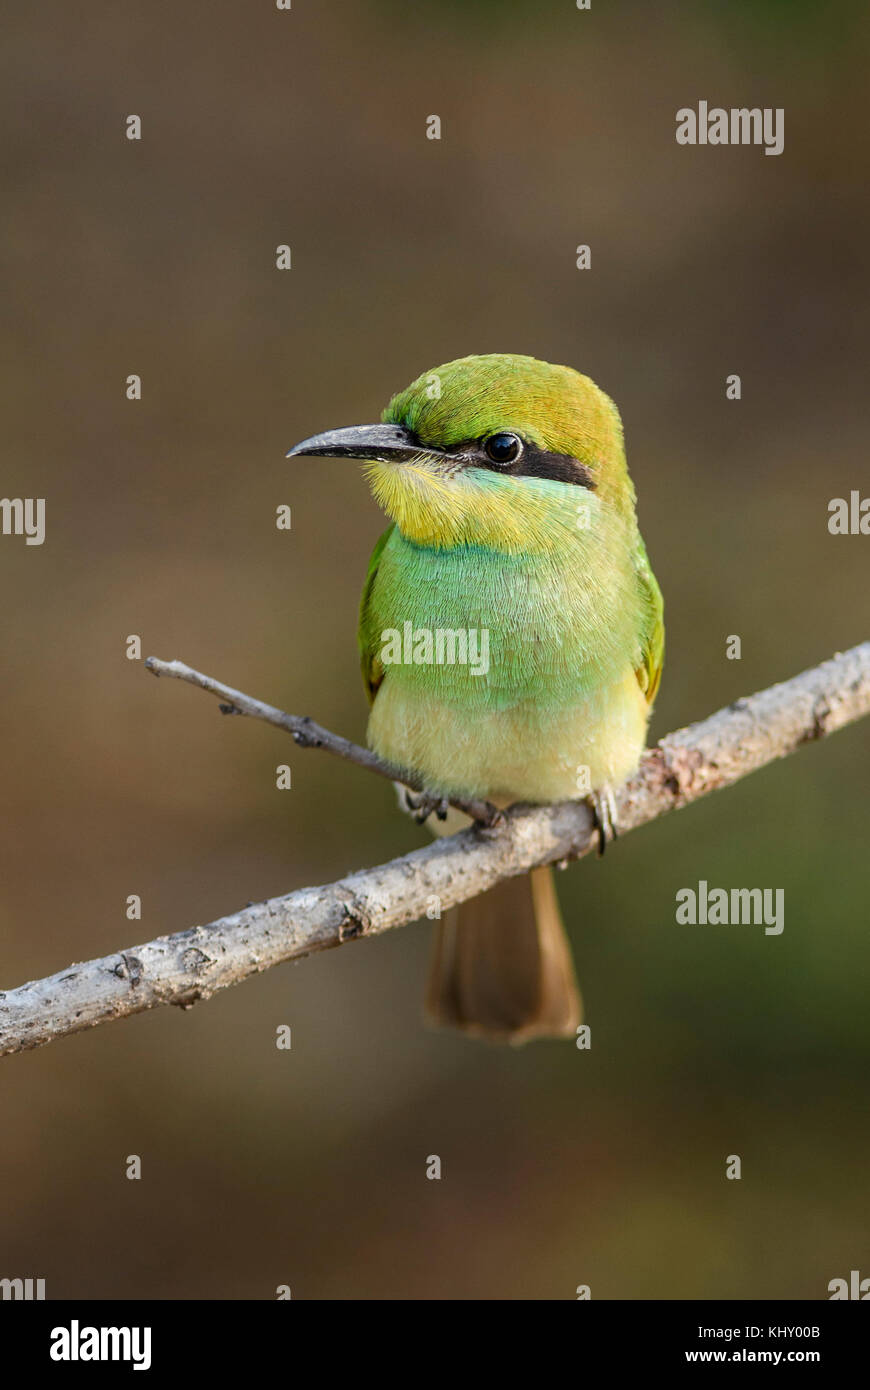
(389, 443)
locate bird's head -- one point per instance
(500, 451)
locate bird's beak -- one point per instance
(390, 443)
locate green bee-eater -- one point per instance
(512, 640)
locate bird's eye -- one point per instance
(503, 447)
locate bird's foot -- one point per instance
(420, 805)
(603, 807)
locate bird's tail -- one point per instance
(502, 966)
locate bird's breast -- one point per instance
(505, 675)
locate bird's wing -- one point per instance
(369, 645)
(652, 638)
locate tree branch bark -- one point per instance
(193, 965)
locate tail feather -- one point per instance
(502, 966)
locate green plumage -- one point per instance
(513, 527)
(556, 574)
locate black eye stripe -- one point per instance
(561, 468)
(531, 462)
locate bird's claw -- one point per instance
(604, 817)
(491, 827)
(420, 805)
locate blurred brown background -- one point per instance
(260, 127)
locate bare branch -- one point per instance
(195, 964)
(310, 735)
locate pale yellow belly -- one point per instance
(526, 753)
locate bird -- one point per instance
(511, 637)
